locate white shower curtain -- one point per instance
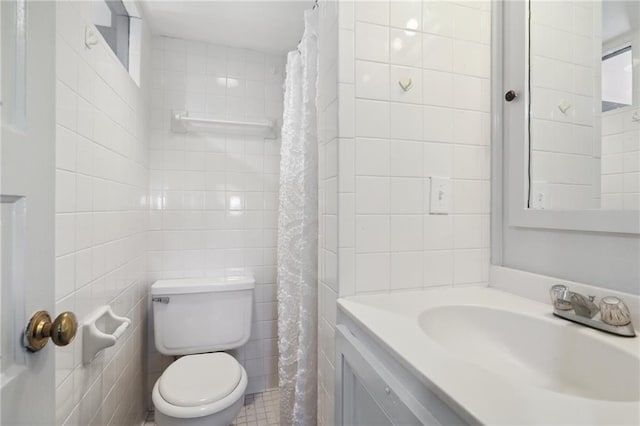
(298, 235)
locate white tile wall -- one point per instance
(620, 178)
(565, 67)
(440, 127)
(330, 149)
(390, 142)
(214, 197)
(101, 220)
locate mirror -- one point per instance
(584, 105)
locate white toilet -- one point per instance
(194, 317)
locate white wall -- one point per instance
(621, 159)
(214, 198)
(328, 106)
(390, 142)
(401, 139)
(101, 221)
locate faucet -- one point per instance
(612, 316)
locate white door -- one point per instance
(27, 167)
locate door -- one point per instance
(27, 167)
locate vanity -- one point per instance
(481, 355)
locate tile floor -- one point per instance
(260, 409)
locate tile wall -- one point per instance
(621, 159)
(214, 197)
(101, 220)
(396, 140)
(620, 179)
(390, 142)
(328, 142)
(565, 153)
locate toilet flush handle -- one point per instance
(161, 299)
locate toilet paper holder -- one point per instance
(101, 330)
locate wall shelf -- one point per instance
(182, 122)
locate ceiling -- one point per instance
(619, 18)
(271, 26)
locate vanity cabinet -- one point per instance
(375, 389)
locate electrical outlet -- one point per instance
(440, 195)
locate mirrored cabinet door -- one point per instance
(583, 105)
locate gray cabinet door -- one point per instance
(368, 393)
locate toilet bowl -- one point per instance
(198, 319)
(204, 389)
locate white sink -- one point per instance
(498, 358)
(538, 351)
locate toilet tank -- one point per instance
(202, 315)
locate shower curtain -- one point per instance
(298, 235)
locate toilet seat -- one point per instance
(199, 385)
(188, 381)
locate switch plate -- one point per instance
(540, 195)
(440, 195)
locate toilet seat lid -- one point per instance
(199, 379)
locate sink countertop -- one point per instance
(487, 397)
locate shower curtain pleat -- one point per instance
(298, 235)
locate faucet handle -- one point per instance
(613, 311)
(560, 297)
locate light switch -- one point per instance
(540, 196)
(440, 195)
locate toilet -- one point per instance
(199, 318)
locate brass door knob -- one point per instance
(40, 328)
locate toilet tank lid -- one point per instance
(202, 285)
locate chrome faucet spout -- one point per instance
(584, 306)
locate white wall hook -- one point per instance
(90, 37)
(564, 106)
(636, 117)
(405, 84)
(101, 330)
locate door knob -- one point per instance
(40, 328)
(510, 95)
